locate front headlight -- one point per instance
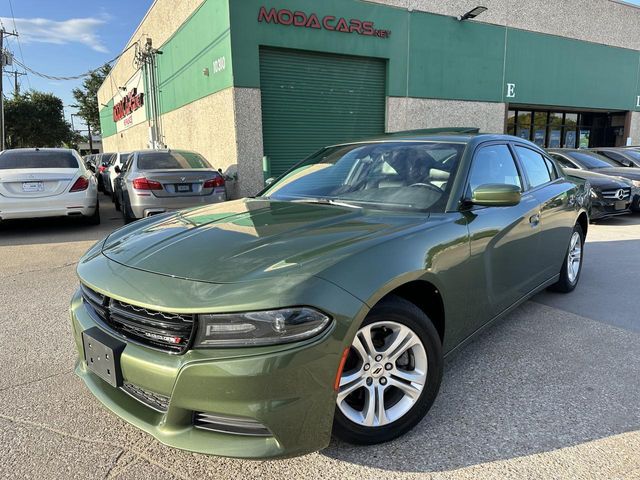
(636, 183)
(269, 327)
(594, 194)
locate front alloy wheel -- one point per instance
(391, 375)
(384, 376)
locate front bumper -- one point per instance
(286, 388)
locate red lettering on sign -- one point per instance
(328, 22)
(271, 16)
(285, 17)
(356, 26)
(367, 28)
(313, 21)
(129, 104)
(299, 19)
(342, 26)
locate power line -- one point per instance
(73, 77)
(15, 29)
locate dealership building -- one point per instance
(257, 85)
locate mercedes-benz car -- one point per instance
(610, 196)
(47, 182)
(327, 303)
(590, 160)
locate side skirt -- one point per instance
(500, 316)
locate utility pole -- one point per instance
(16, 86)
(4, 57)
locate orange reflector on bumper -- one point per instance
(343, 360)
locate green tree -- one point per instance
(36, 119)
(87, 97)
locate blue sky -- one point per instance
(69, 37)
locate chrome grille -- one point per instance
(231, 425)
(170, 332)
(616, 194)
(151, 399)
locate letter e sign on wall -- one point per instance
(511, 90)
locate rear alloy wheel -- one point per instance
(391, 376)
(572, 266)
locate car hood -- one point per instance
(598, 180)
(625, 172)
(249, 239)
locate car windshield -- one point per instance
(590, 160)
(389, 175)
(11, 159)
(171, 161)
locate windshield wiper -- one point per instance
(326, 201)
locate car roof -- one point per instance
(440, 136)
(38, 149)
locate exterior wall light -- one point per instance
(472, 13)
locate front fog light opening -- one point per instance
(231, 425)
(268, 327)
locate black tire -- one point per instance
(398, 310)
(100, 185)
(565, 284)
(117, 203)
(93, 219)
(126, 216)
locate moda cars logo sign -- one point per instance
(332, 23)
(130, 103)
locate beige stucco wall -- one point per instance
(413, 113)
(634, 128)
(206, 126)
(601, 21)
(248, 117)
(161, 21)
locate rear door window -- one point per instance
(535, 165)
(171, 161)
(31, 159)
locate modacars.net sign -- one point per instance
(301, 19)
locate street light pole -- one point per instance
(3, 60)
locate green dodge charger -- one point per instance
(325, 305)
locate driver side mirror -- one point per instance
(117, 169)
(496, 195)
(269, 181)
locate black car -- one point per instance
(589, 160)
(609, 195)
(624, 157)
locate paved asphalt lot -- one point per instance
(551, 392)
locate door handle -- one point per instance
(534, 220)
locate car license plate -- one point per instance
(32, 186)
(102, 354)
(183, 187)
(621, 205)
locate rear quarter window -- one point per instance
(37, 159)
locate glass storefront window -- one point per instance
(539, 128)
(555, 134)
(524, 125)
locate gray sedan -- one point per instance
(156, 181)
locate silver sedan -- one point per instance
(156, 181)
(47, 182)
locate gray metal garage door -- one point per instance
(310, 100)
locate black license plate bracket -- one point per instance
(621, 205)
(102, 354)
(183, 187)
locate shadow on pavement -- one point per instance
(59, 229)
(539, 381)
